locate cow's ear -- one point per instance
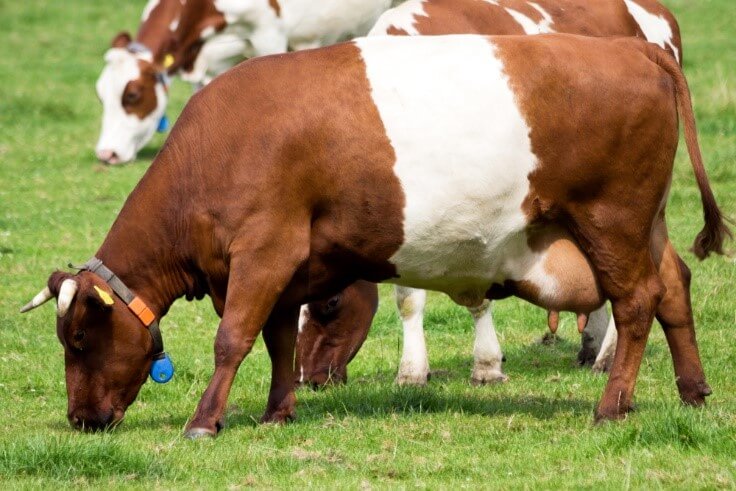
(100, 297)
(121, 40)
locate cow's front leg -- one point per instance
(280, 334)
(486, 350)
(258, 276)
(414, 366)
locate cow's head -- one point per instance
(133, 94)
(331, 332)
(107, 351)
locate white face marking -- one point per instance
(401, 17)
(529, 26)
(174, 24)
(655, 27)
(123, 133)
(463, 155)
(148, 9)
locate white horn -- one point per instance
(66, 295)
(41, 298)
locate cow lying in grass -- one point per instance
(647, 19)
(482, 167)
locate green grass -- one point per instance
(57, 203)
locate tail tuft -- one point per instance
(713, 235)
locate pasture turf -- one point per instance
(57, 203)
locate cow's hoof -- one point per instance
(587, 356)
(693, 393)
(616, 413)
(485, 376)
(412, 379)
(279, 417)
(197, 433)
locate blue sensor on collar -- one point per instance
(162, 369)
(163, 124)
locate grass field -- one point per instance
(57, 203)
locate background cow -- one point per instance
(646, 19)
(133, 85)
(340, 164)
(200, 39)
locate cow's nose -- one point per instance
(108, 156)
(87, 420)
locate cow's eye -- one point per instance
(78, 338)
(131, 97)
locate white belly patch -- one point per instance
(463, 155)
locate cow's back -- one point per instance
(646, 19)
(428, 154)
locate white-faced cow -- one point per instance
(133, 86)
(646, 19)
(426, 161)
(200, 40)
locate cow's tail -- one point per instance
(715, 231)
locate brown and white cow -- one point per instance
(200, 40)
(132, 86)
(357, 161)
(647, 19)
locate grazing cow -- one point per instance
(133, 86)
(638, 18)
(200, 40)
(357, 161)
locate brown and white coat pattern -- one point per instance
(368, 166)
(640, 18)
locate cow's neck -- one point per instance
(155, 31)
(143, 247)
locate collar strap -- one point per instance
(134, 303)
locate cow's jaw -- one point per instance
(122, 133)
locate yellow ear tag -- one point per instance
(106, 298)
(168, 61)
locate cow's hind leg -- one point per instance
(622, 260)
(675, 315)
(414, 365)
(593, 336)
(486, 350)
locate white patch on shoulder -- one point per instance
(655, 27)
(152, 4)
(529, 26)
(400, 17)
(463, 155)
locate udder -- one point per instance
(556, 274)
